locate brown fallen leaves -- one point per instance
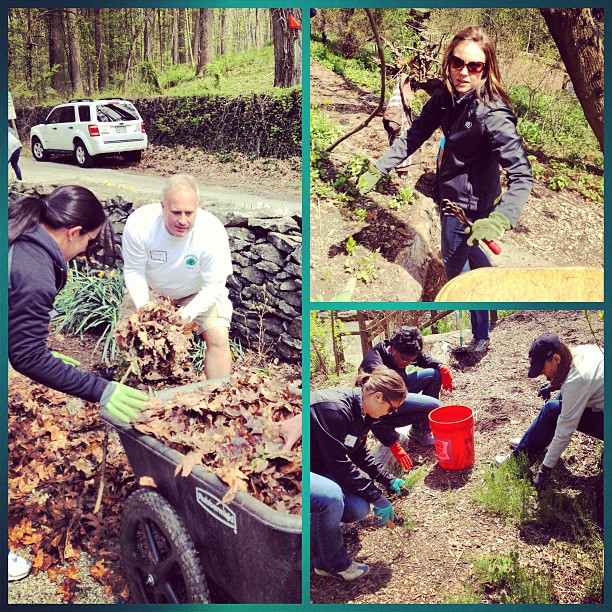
(54, 455)
(232, 430)
(157, 341)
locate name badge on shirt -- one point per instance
(159, 255)
(350, 440)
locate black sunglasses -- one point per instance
(473, 67)
(392, 407)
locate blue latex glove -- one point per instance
(396, 486)
(383, 510)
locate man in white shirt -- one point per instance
(178, 250)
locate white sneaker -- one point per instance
(352, 572)
(424, 438)
(482, 345)
(18, 567)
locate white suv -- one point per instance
(87, 128)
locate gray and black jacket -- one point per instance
(37, 272)
(479, 139)
(338, 432)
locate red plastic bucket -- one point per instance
(453, 431)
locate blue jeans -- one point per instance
(459, 257)
(415, 409)
(329, 506)
(13, 161)
(542, 431)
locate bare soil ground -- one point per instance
(556, 228)
(429, 558)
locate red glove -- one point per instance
(401, 455)
(447, 379)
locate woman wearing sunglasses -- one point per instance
(44, 233)
(343, 473)
(472, 109)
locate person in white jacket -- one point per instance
(578, 374)
(176, 249)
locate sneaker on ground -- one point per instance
(514, 442)
(424, 438)
(352, 572)
(501, 459)
(482, 345)
(18, 567)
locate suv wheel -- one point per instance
(82, 156)
(38, 151)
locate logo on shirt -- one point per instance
(190, 262)
(468, 124)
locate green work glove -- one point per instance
(124, 402)
(66, 359)
(489, 228)
(367, 181)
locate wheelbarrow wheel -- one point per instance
(159, 557)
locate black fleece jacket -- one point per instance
(338, 431)
(380, 355)
(479, 139)
(37, 273)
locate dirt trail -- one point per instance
(555, 229)
(429, 558)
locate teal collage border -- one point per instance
(307, 306)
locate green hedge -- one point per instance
(262, 125)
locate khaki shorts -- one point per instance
(218, 315)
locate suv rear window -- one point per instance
(116, 111)
(84, 113)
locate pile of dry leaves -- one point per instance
(156, 341)
(54, 458)
(232, 430)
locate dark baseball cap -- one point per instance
(542, 348)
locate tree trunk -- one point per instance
(287, 48)
(205, 54)
(57, 54)
(175, 36)
(195, 43)
(576, 35)
(182, 25)
(100, 49)
(149, 35)
(74, 52)
(222, 31)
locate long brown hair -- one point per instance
(491, 87)
(385, 380)
(66, 206)
(564, 365)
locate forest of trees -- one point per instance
(82, 51)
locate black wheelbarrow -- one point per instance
(178, 535)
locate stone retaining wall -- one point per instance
(266, 287)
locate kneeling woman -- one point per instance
(343, 473)
(579, 375)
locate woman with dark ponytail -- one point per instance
(343, 474)
(44, 233)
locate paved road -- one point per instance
(140, 189)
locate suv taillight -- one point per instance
(93, 129)
(142, 128)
